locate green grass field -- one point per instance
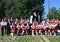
(29, 38)
(54, 38)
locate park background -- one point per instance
(24, 8)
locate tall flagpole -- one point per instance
(48, 6)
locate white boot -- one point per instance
(32, 33)
(11, 34)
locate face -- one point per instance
(8, 19)
(16, 19)
(5, 19)
(11, 19)
(34, 19)
(34, 13)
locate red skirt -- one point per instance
(20, 30)
(46, 29)
(34, 28)
(11, 30)
(50, 29)
(42, 30)
(55, 29)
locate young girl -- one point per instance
(34, 24)
(50, 29)
(46, 29)
(22, 21)
(55, 28)
(23, 28)
(18, 28)
(41, 30)
(33, 28)
(37, 29)
(12, 29)
(16, 22)
(27, 27)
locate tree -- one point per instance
(54, 13)
(9, 7)
(6, 8)
(21, 8)
(54, 16)
(53, 10)
(25, 7)
(2, 9)
(58, 11)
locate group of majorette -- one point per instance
(48, 27)
(22, 27)
(14, 27)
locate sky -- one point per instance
(53, 3)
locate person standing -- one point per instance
(5, 25)
(2, 28)
(34, 24)
(8, 27)
(35, 16)
(16, 22)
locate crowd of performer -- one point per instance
(24, 27)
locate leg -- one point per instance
(36, 32)
(8, 30)
(46, 33)
(40, 32)
(26, 31)
(5, 29)
(2, 31)
(11, 34)
(32, 32)
(22, 31)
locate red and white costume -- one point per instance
(18, 27)
(41, 28)
(22, 27)
(37, 27)
(22, 21)
(50, 28)
(16, 22)
(55, 28)
(34, 25)
(12, 28)
(46, 28)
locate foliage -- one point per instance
(54, 13)
(54, 16)
(20, 8)
(53, 10)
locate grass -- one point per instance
(53, 38)
(20, 39)
(29, 38)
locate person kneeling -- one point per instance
(12, 30)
